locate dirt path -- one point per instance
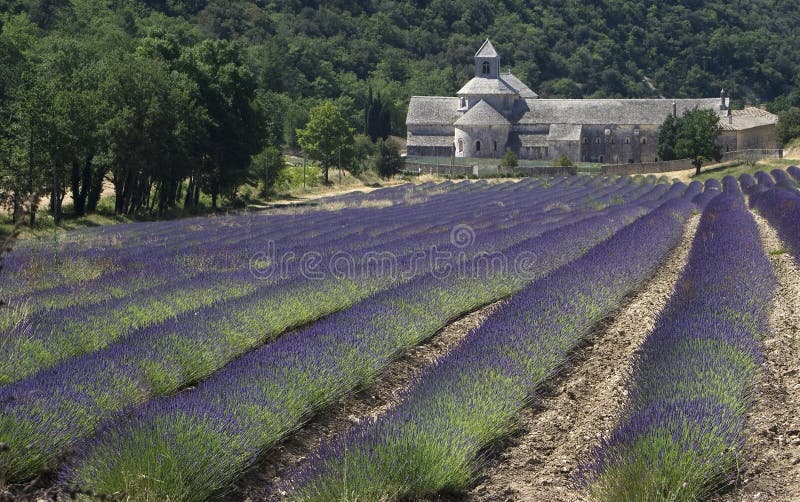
(557, 436)
(260, 482)
(771, 467)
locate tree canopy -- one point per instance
(171, 98)
(691, 136)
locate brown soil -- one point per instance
(260, 483)
(557, 436)
(771, 464)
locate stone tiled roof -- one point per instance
(523, 90)
(417, 140)
(608, 111)
(432, 110)
(487, 86)
(565, 132)
(486, 50)
(482, 114)
(748, 118)
(532, 140)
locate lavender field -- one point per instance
(572, 338)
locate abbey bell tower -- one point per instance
(487, 61)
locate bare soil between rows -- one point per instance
(557, 435)
(261, 483)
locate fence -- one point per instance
(683, 164)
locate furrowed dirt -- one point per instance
(556, 436)
(770, 468)
(261, 482)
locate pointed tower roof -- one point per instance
(482, 114)
(486, 50)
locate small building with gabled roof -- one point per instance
(496, 111)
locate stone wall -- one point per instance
(683, 164)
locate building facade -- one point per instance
(495, 112)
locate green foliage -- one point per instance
(509, 159)
(788, 127)
(363, 150)
(698, 131)
(692, 136)
(668, 138)
(265, 168)
(171, 98)
(325, 135)
(388, 161)
(563, 161)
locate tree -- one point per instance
(563, 161)
(236, 130)
(509, 159)
(388, 161)
(788, 127)
(265, 167)
(325, 135)
(667, 138)
(698, 131)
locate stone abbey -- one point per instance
(495, 111)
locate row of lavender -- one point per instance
(192, 445)
(45, 338)
(779, 203)
(44, 416)
(127, 249)
(682, 429)
(433, 441)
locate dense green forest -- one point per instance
(168, 98)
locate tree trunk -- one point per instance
(697, 165)
(95, 189)
(187, 202)
(17, 207)
(75, 182)
(56, 197)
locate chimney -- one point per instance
(674, 109)
(723, 103)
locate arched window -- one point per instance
(597, 140)
(644, 140)
(585, 141)
(477, 146)
(486, 67)
(627, 141)
(495, 146)
(460, 146)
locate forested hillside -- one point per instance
(188, 90)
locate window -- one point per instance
(495, 146)
(460, 146)
(597, 140)
(463, 102)
(627, 141)
(644, 141)
(585, 141)
(601, 158)
(485, 67)
(477, 146)
(656, 159)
